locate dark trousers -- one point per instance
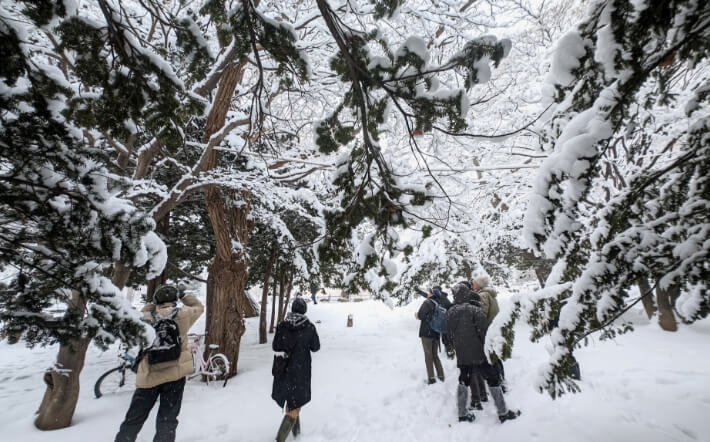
(478, 389)
(487, 371)
(501, 370)
(170, 394)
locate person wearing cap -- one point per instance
(430, 338)
(164, 380)
(296, 337)
(468, 325)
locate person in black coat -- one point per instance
(296, 337)
(430, 338)
(467, 326)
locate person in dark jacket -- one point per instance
(430, 338)
(443, 299)
(297, 337)
(467, 327)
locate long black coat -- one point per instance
(467, 329)
(297, 337)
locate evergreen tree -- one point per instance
(63, 224)
(75, 87)
(381, 77)
(614, 86)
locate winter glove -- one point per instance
(450, 353)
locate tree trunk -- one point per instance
(282, 289)
(645, 289)
(273, 311)
(120, 276)
(226, 296)
(227, 301)
(62, 380)
(265, 298)
(666, 318)
(162, 228)
(288, 297)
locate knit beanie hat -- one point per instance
(165, 293)
(482, 281)
(299, 306)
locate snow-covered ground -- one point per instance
(368, 385)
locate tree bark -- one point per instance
(282, 291)
(282, 311)
(273, 311)
(228, 210)
(645, 289)
(163, 228)
(121, 273)
(62, 380)
(265, 298)
(226, 282)
(666, 318)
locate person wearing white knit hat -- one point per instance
(489, 305)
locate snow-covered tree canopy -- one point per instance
(62, 222)
(624, 194)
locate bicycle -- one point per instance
(117, 378)
(215, 368)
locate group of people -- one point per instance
(463, 335)
(163, 368)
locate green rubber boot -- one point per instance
(286, 424)
(296, 430)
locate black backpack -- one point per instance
(167, 344)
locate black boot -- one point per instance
(476, 405)
(504, 414)
(468, 417)
(296, 430)
(286, 424)
(510, 415)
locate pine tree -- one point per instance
(63, 225)
(380, 78)
(624, 193)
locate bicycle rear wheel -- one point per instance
(218, 368)
(115, 380)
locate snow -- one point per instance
(570, 48)
(606, 47)
(368, 385)
(416, 46)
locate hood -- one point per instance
(490, 290)
(295, 321)
(462, 294)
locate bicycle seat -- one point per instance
(214, 346)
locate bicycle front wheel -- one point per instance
(115, 380)
(218, 370)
